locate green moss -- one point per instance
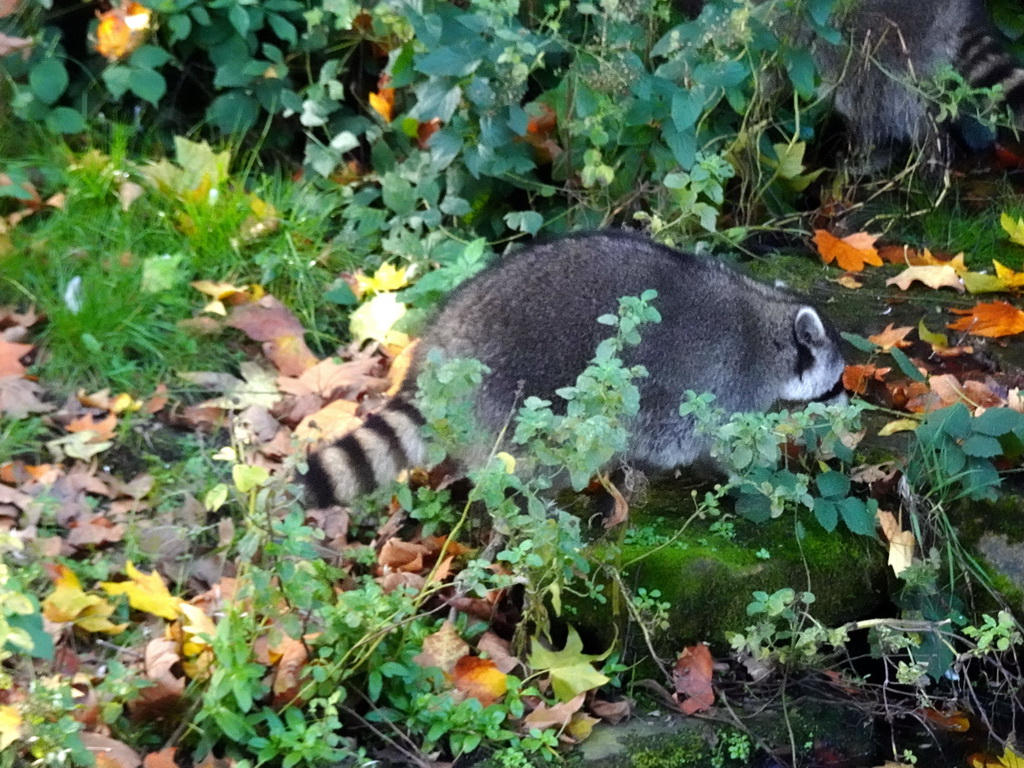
(707, 578)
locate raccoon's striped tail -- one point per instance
(984, 62)
(369, 456)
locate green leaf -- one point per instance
(447, 62)
(687, 105)
(248, 478)
(239, 18)
(341, 294)
(147, 84)
(48, 80)
(65, 120)
(998, 421)
(116, 78)
(827, 514)
(906, 366)
(149, 57)
(860, 342)
(756, 507)
(833, 484)
(180, 26)
(982, 446)
(233, 112)
(571, 670)
(524, 221)
(858, 516)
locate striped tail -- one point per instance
(984, 62)
(368, 457)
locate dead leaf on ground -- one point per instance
(271, 322)
(993, 319)
(943, 276)
(110, 753)
(856, 377)
(613, 712)
(403, 556)
(891, 337)
(901, 543)
(162, 759)
(692, 679)
(851, 253)
(442, 649)
(10, 358)
(498, 651)
(163, 697)
(19, 397)
(480, 679)
(557, 716)
(945, 390)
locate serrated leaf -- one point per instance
(982, 446)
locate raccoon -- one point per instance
(890, 47)
(532, 320)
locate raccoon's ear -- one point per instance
(809, 329)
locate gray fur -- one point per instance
(532, 319)
(889, 48)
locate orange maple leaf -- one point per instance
(992, 319)
(891, 337)
(850, 253)
(856, 377)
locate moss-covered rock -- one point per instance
(707, 576)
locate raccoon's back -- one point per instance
(532, 320)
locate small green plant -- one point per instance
(765, 481)
(786, 634)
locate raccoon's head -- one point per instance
(818, 363)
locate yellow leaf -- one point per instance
(507, 460)
(979, 282)
(1015, 229)
(146, 592)
(940, 276)
(375, 318)
(383, 103)
(10, 726)
(388, 277)
(216, 290)
(197, 626)
(899, 425)
(931, 337)
(1009, 758)
(69, 604)
(1007, 276)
